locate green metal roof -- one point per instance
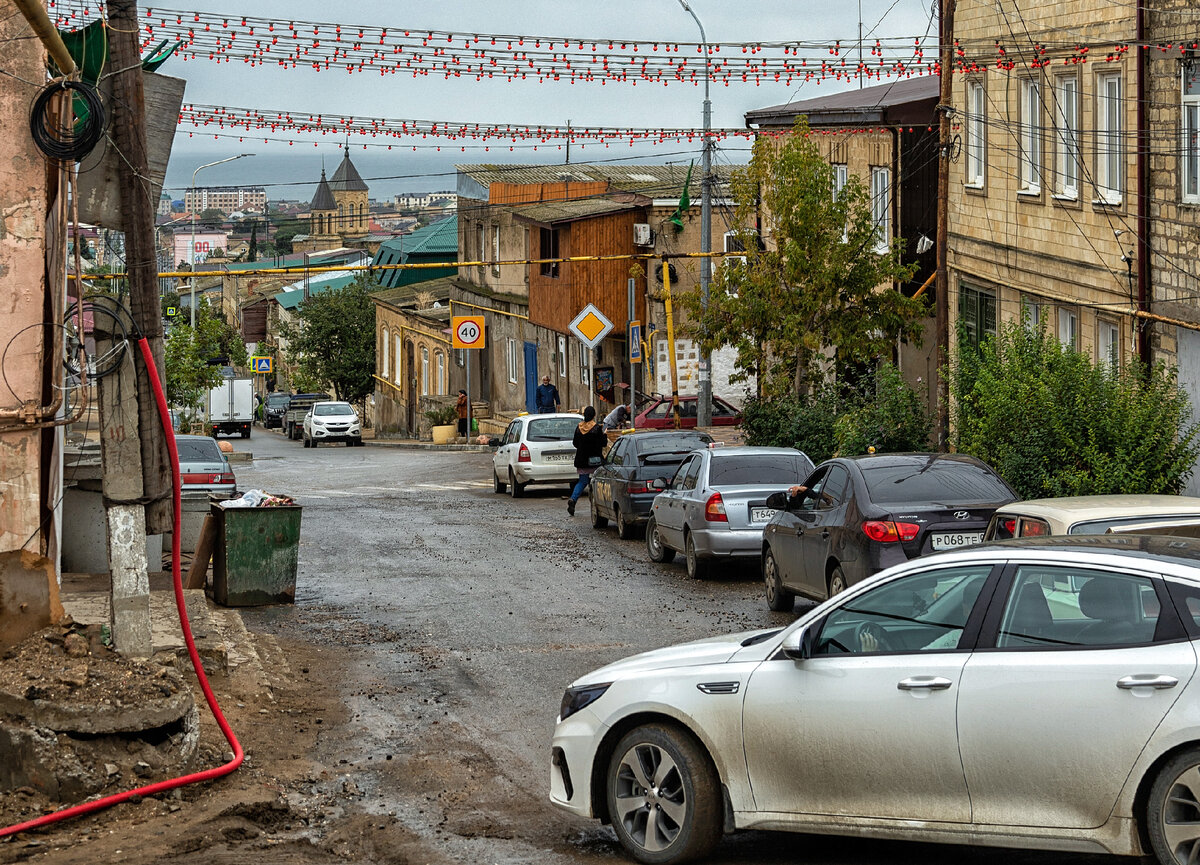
(293, 297)
(436, 242)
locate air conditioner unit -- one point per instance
(642, 235)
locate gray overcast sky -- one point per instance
(434, 98)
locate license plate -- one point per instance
(556, 458)
(761, 515)
(951, 540)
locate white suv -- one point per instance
(332, 422)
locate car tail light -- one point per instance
(636, 486)
(523, 455)
(888, 532)
(714, 509)
(226, 478)
(1010, 527)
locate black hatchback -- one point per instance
(620, 488)
(862, 514)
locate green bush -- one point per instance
(442, 415)
(1054, 423)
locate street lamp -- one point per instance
(704, 390)
(192, 280)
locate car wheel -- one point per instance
(598, 521)
(837, 581)
(663, 796)
(245, 434)
(305, 442)
(659, 552)
(515, 489)
(779, 599)
(1173, 809)
(625, 528)
(498, 486)
(697, 568)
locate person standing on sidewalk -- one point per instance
(589, 441)
(546, 399)
(461, 406)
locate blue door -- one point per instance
(531, 377)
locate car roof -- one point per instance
(912, 458)
(1103, 507)
(747, 450)
(196, 438)
(331, 402)
(570, 414)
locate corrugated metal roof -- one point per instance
(867, 100)
(294, 296)
(656, 181)
(566, 211)
(439, 288)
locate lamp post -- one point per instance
(192, 279)
(704, 388)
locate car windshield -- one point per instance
(779, 469)
(551, 429)
(198, 450)
(655, 449)
(934, 481)
(335, 408)
(277, 399)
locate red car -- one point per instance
(657, 413)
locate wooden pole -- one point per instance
(141, 262)
(942, 300)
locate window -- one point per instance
(398, 371)
(385, 372)
(495, 250)
(1190, 169)
(977, 309)
(1031, 136)
(424, 371)
(1108, 139)
(923, 612)
(1031, 313)
(440, 359)
(460, 357)
(976, 134)
(562, 357)
(549, 249)
(1108, 344)
(840, 176)
(480, 245)
(1065, 607)
(827, 491)
(584, 379)
(881, 206)
(1068, 328)
(1066, 128)
(512, 361)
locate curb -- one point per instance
(424, 446)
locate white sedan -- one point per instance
(1021, 694)
(535, 449)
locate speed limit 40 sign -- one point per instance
(467, 331)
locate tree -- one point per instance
(334, 340)
(823, 283)
(1053, 422)
(194, 357)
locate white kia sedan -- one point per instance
(1032, 694)
(535, 449)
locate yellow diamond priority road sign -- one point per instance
(591, 326)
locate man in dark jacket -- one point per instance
(547, 400)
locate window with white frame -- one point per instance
(976, 134)
(440, 358)
(1031, 136)
(881, 197)
(840, 176)
(1066, 136)
(398, 362)
(460, 357)
(513, 368)
(424, 371)
(1190, 110)
(495, 250)
(562, 357)
(1108, 343)
(583, 367)
(1031, 312)
(385, 371)
(1068, 327)
(1109, 147)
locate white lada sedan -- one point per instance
(1028, 693)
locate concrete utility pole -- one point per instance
(942, 300)
(704, 389)
(141, 262)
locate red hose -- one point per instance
(238, 755)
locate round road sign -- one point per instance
(468, 332)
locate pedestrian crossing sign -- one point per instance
(260, 364)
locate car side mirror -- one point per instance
(778, 501)
(798, 645)
(493, 442)
(657, 484)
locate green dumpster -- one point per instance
(255, 555)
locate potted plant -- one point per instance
(444, 419)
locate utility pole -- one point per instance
(141, 263)
(942, 298)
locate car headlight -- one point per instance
(577, 698)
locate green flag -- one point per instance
(685, 201)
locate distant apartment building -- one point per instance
(418, 200)
(226, 199)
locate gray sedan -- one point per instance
(715, 506)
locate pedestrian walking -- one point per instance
(589, 441)
(462, 407)
(546, 398)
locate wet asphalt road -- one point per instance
(458, 616)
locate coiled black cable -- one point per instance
(68, 144)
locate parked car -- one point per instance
(657, 414)
(203, 467)
(1034, 694)
(715, 506)
(1090, 515)
(535, 449)
(275, 408)
(332, 422)
(620, 488)
(863, 513)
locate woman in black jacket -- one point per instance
(589, 441)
